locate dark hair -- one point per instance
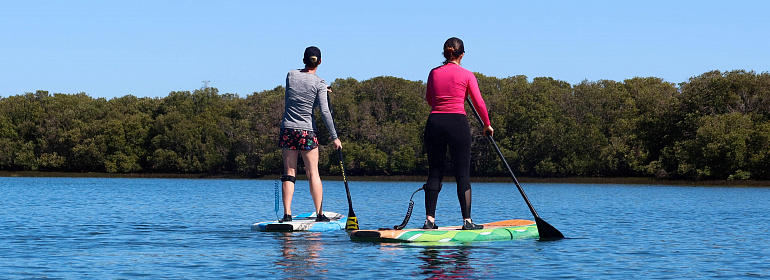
(312, 57)
(453, 48)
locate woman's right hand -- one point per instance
(337, 144)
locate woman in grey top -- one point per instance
(304, 92)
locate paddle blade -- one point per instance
(547, 231)
(352, 223)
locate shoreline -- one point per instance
(405, 178)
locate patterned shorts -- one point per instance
(297, 139)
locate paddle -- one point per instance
(352, 223)
(546, 230)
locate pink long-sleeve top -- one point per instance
(447, 88)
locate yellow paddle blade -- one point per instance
(352, 223)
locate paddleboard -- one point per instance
(304, 222)
(502, 230)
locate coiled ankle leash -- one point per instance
(409, 211)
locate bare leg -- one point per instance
(289, 168)
(311, 169)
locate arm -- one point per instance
(429, 91)
(337, 143)
(478, 102)
(326, 115)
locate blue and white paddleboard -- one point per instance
(304, 222)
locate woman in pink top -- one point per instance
(447, 129)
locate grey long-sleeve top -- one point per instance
(305, 92)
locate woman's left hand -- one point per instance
(488, 130)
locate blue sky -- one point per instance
(150, 48)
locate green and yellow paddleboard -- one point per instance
(502, 230)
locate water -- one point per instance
(86, 228)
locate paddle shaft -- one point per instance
(500, 153)
(342, 164)
(345, 180)
(546, 230)
(352, 222)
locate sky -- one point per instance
(151, 48)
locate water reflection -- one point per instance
(443, 263)
(300, 258)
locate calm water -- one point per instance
(87, 228)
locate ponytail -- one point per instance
(312, 61)
(453, 48)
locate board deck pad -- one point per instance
(304, 222)
(501, 230)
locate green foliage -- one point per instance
(714, 126)
(759, 150)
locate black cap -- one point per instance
(312, 51)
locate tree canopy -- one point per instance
(713, 126)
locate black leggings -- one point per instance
(451, 131)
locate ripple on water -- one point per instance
(78, 228)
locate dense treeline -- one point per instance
(714, 126)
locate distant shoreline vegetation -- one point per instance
(715, 126)
(419, 179)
